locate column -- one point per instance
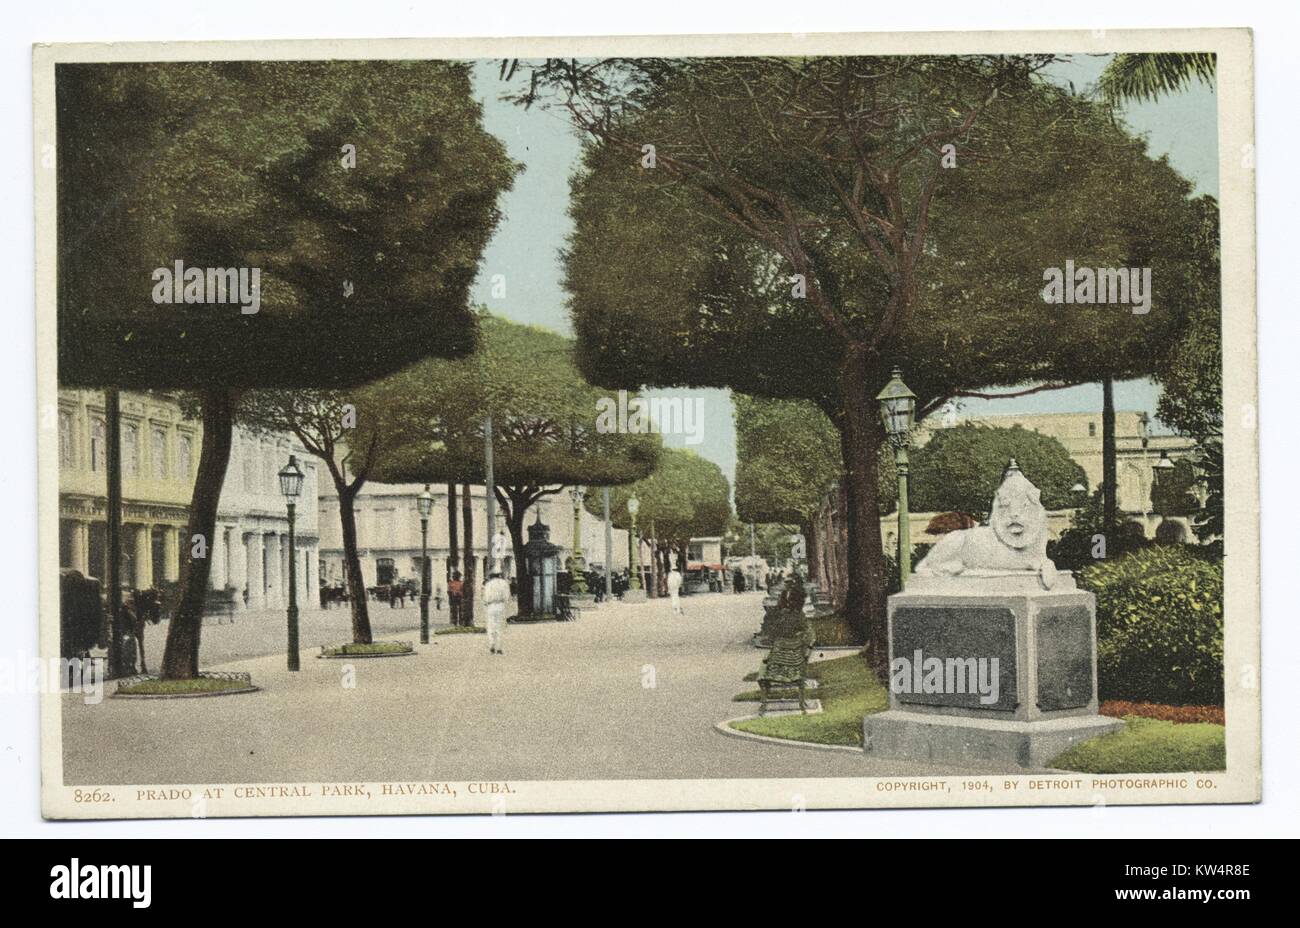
(217, 551)
(171, 554)
(143, 556)
(238, 567)
(274, 589)
(256, 599)
(81, 546)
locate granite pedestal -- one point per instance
(948, 703)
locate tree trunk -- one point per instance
(453, 533)
(361, 633)
(181, 655)
(1109, 505)
(467, 599)
(515, 525)
(864, 605)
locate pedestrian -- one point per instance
(737, 581)
(674, 590)
(496, 593)
(455, 590)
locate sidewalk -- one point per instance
(627, 691)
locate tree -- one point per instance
(1191, 375)
(360, 193)
(544, 417)
(684, 497)
(787, 458)
(327, 425)
(960, 468)
(794, 228)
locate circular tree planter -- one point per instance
(350, 651)
(207, 683)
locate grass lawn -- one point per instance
(1149, 746)
(375, 647)
(155, 687)
(848, 691)
(462, 630)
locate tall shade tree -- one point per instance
(326, 424)
(794, 228)
(546, 427)
(362, 193)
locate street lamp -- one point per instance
(578, 580)
(290, 487)
(1079, 492)
(898, 413)
(424, 502)
(634, 544)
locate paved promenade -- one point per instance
(628, 691)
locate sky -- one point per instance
(521, 274)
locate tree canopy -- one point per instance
(245, 164)
(960, 468)
(543, 417)
(685, 497)
(788, 459)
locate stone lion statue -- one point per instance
(1014, 540)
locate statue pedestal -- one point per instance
(989, 667)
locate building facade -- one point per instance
(160, 450)
(388, 533)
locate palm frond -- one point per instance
(1146, 75)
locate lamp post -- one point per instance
(578, 580)
(425, 504)
(897, 413)
(290, 487)
(634, 543)
(1079, 493)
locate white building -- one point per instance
(160, 448)
(250, 550)
(388, 532)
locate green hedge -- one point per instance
(1159, 626)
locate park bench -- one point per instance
(564, 610)
(786, 665)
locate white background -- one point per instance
(1276, 143)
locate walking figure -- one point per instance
(496, 594)
(674, 590)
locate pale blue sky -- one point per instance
(526, 246)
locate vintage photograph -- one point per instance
(713, 423)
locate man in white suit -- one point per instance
(496, 595)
